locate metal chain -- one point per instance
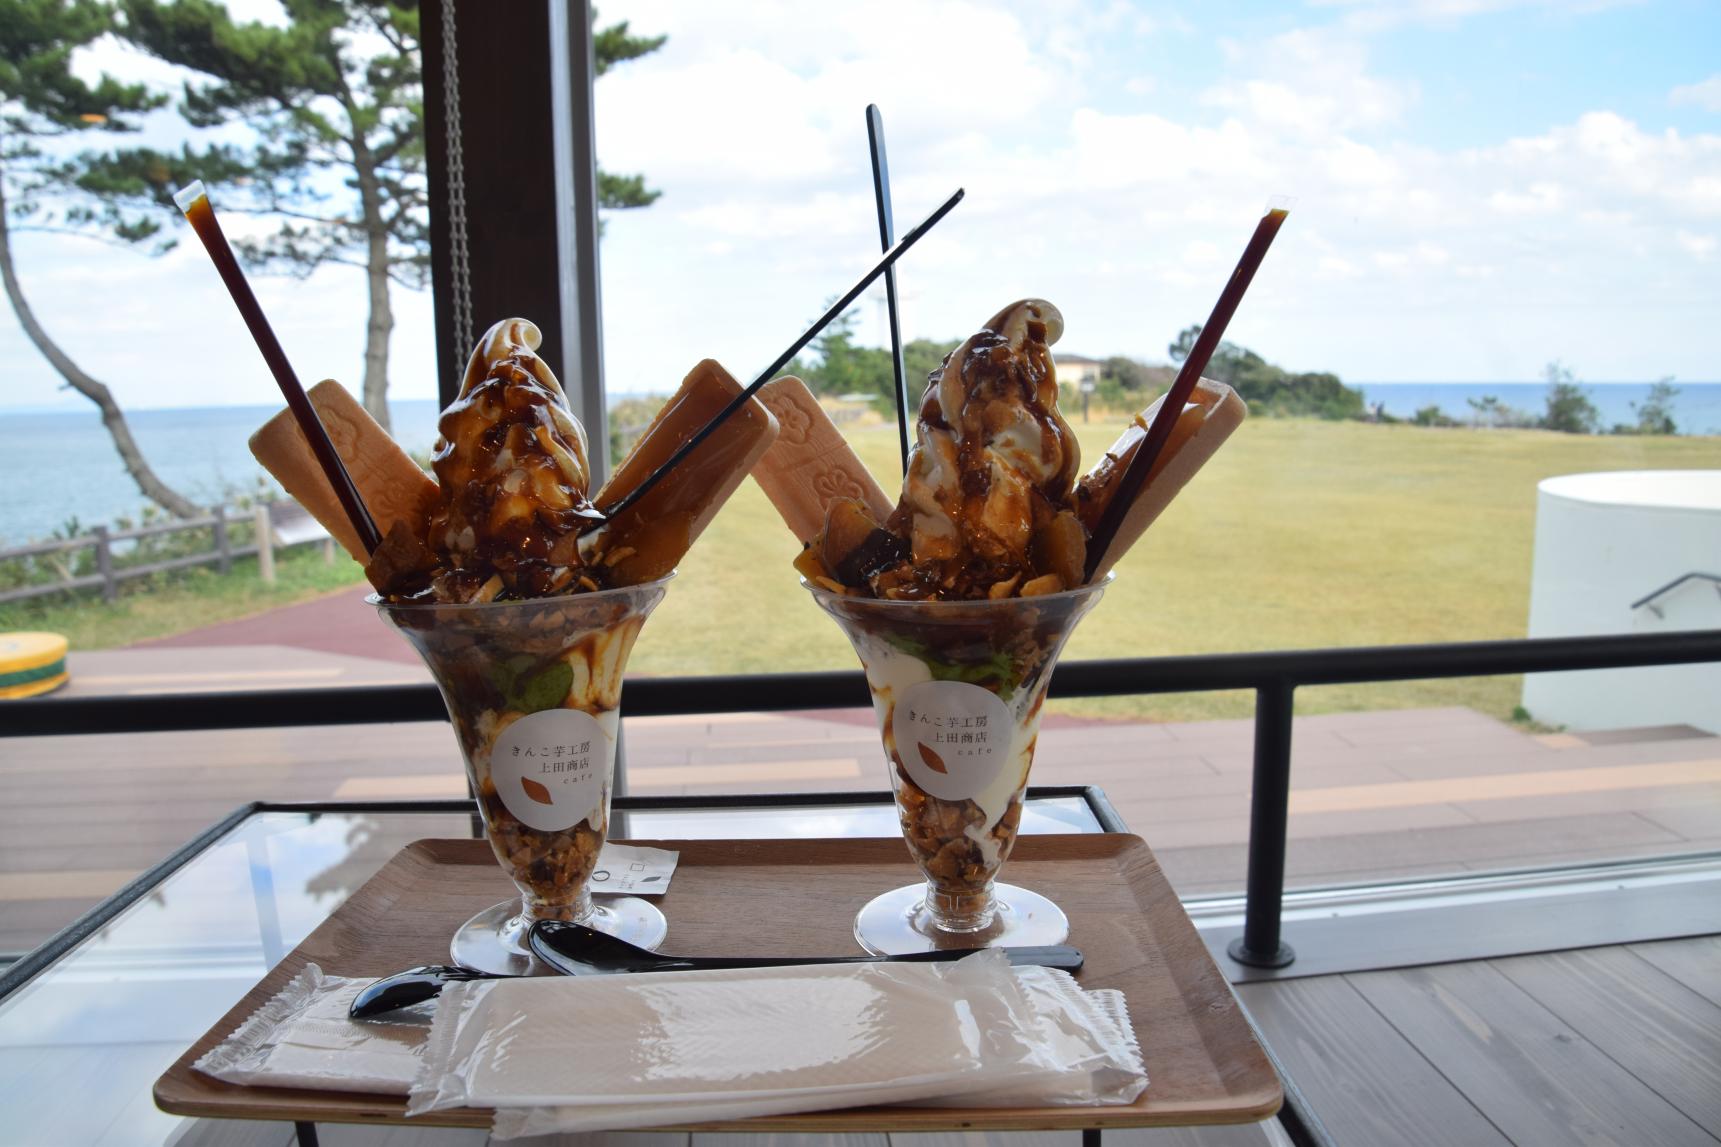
(459, 252)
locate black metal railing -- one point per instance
(1657, 594)
(1274, 677)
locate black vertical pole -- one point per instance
(887, 237)
(573, 69)
(1269, 808)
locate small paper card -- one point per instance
(625, 869)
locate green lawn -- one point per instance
(173, 603)
(1299, 534)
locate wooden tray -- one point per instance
(800, 897)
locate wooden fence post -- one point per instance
(105, 563)
(265, 544)
(222, 546)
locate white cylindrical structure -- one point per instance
(1608, 549)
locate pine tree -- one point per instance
(43, 102)
(335, 101)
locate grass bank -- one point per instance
(173, 603)
(1298, 534)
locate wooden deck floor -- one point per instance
(1375, 795)
(1618, 1045)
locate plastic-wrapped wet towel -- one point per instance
(613, 1053)
(1089, 1036)
(303, 1038)
(751, 1042)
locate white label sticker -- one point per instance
(633, 868)
(552, 767)
(953, 737)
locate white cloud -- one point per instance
(1699, 246)
(1537, 199)
(1487, 260)
(1313, 81)
(1335, 267)
(1705, 94)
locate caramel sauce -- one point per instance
(990, 413)
(653, 533)
(511, 463)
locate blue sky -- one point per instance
(1478, 75)
(1483, 186)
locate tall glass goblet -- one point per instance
(958, 687)
(534, 691)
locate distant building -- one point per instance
(1076, 371)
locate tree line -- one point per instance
(1568, 409)
(839, 367)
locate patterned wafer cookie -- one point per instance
(811, 464)
(1213, 411)
(391, 484)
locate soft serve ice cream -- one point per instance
(512, 475)
(496, 582)
(956, 602)
(513, 467)
(987, 506)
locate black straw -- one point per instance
(886, 236)
(195, 203)
(770, 372)
(1135, 476)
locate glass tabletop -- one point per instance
(83, 1041)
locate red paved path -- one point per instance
(339, 623)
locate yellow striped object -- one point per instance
(31, 664)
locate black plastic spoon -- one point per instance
(413, 986)
(575, 950)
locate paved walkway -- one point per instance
(1375, 795)
(339, 622)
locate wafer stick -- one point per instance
(192, 200)
(390, 482)
(1214, 410)
(643, 541)
(1102, 547)
(810, 464)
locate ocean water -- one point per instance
(60, 467)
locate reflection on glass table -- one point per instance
(82, 1042)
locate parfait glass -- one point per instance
(957, 687)
(533, 689)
